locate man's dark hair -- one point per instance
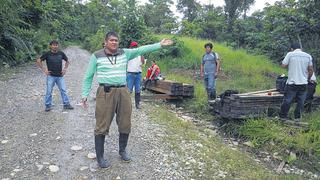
(53, 42)
(295, 46)
(208, 45)
(111, 33)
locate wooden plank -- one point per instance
(257, 92)
(166, 86)
(253, 106)
(257, 98)
(165, 91)
(159, 96)
(188, 90)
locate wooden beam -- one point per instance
(159, 96)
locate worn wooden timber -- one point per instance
(188, 90)
(166, 87)
(158, 96)
(251, 105)
(171, 88)
(257, 92)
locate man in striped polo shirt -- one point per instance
(110, 65)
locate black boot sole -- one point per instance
(104, 168)
(125, 160)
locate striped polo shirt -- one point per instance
(112, 69)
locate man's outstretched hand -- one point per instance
(166, 42)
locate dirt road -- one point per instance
(39, 145)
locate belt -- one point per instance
(135, 72)
(112, 86)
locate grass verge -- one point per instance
(204, 154)
(247, 73)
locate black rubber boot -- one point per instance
(99, 146)
(213, 95)
(144, 85)
(137, 100)
(123, 141)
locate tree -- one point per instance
(271, 31)
(14, 34)
(159, 17)
(99, 13)
(212, 22)
(190, 28)
(233, 8)
(132, 26)
(188, 8)
(309, 29)
(246, 6)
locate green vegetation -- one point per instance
(198, 147)
(276, 137)
(240, 70)
(28, 26)
(268, 32)
(247, 73)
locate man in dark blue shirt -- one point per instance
(55, 73)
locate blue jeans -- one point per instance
(210, 83)
(134, 80)
(297, 92)
(51, 81)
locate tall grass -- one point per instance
(245, 73)
(241, 71)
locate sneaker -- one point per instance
(68, 107)
(48, 108)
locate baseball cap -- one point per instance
(133, 44)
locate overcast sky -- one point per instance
(258, 5)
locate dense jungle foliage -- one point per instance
(26, 27)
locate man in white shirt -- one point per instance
(134, 70)
(300, 70)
